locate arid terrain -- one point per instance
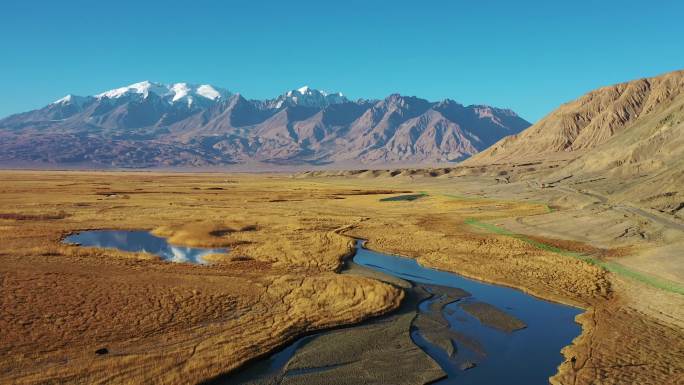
(340, 193)
(177, 323)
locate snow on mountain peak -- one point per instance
(179, 90)
(308, 97)
(191, 94)
(64, 100)
(172, 92)
(141, 88)
(209, 92)
(71, 99)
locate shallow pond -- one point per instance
(399, 198)
(141, 241)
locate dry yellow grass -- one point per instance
(164, 322)
(176, 323)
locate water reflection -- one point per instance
(527, 356)
(141, 241)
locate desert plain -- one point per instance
(288, 237)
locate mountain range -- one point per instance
(150, 124)
(623, 142)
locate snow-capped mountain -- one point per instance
(149, 124)
(70, 99)
(308, 97)
(171, 93)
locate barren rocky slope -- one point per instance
(594, 119)
(625, 141)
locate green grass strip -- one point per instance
(659, 283)
(612, 267)
(473, 198)
(463, 197)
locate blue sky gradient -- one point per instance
(526, 55)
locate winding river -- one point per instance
(525, 356)
(476, 333)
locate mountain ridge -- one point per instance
(622, 144)
(149, 124)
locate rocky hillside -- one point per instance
(155, 125)
(592, 120)
(625, 142)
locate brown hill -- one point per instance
(625, 142)
(590, 121)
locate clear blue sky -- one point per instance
(526, 55)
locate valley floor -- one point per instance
(176, 323)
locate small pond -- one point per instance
(141, 241)
(399, 198)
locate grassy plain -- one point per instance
(177, 323)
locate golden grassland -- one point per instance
(179, 323)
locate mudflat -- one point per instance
(357, 355)
(288, 239)
(492, 316)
